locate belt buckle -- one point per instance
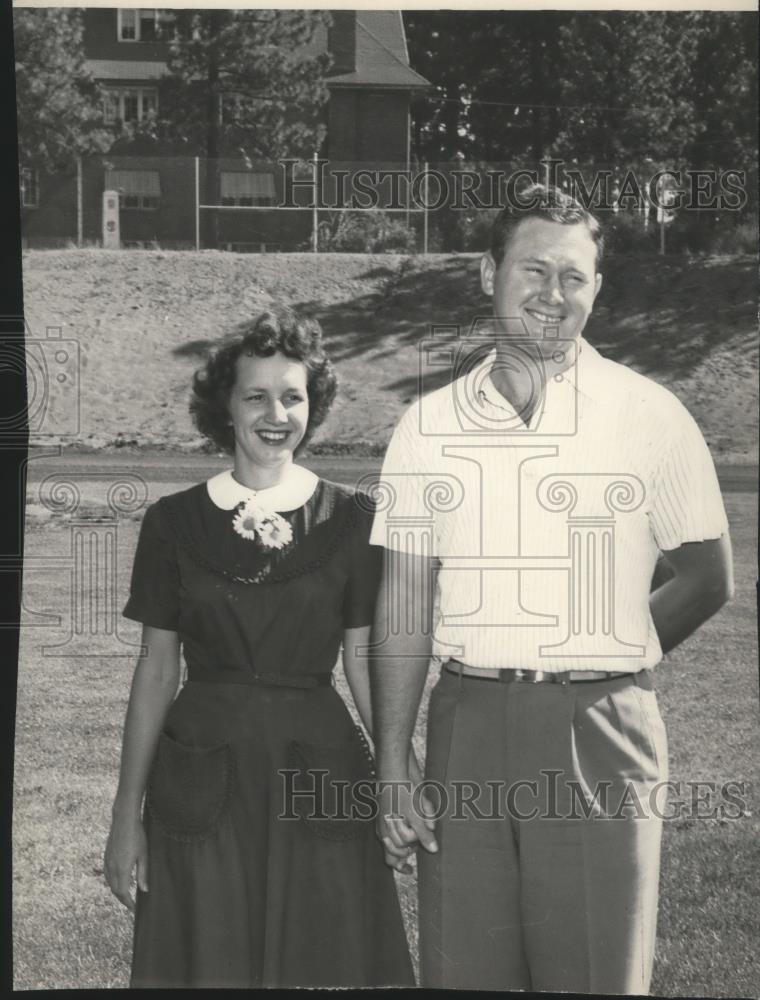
(527, 676)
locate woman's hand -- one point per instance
(153, 689)
(126, 850)
(400, 839)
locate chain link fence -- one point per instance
(318, 205)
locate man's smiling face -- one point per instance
(546, 283)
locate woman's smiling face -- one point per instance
(269, 409)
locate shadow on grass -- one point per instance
(403, 309)
(193, 349)
(661, 316)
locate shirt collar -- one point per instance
(580, 376)
(295, 489)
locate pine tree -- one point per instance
(725, 90)
(496, 83)
(241, 82)
(59, 105)
(247, 78)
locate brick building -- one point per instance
(367, 119)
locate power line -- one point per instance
(545, 107)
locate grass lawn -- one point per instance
(71, 933)
(143, 319)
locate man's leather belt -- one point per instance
(509, 675)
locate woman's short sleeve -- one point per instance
(154, 588)
(365, 568)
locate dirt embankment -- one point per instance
(141, 321)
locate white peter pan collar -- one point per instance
(290, 494)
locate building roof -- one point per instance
(125, 69)
(382, 59)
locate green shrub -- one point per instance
(366, 232)
(473, 229)
(707, 233)
(625, 234)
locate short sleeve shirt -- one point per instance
(547, 534)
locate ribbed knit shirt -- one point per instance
(547, 534)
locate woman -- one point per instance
(251, 868)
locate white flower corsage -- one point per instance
(253, 521)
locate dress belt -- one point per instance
(222, 676)
(508, 675)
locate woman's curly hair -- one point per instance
(277, 329)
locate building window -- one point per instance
(143, 24)
(129, 104)
(131, 107)
(127, 24)
(29, 184)
(149, 102)
(137, 188)
(247, 189)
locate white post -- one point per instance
(408, 160)
(197, 203)
(314, 212)
(80, 227)
(425, 212)
(645, 208)
(111, 228)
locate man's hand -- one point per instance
(405, 819)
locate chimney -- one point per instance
(342, 41)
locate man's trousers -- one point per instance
(547, 872)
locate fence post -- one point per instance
(314, 211)
(197, 203)
(80, 226)
(425, 212)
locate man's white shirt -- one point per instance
(547, 535)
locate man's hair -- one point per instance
(277, 330)
(540, 201)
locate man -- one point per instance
(536, 491)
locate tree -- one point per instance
(724, 86)
(496, 82)
(59, 105)
(495, 98)
(662, 91)
(515, 115)
(626, 88)
(439, 121)
(241, 82)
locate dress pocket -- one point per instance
(189, 788)
(332, 789)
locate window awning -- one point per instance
(140, 182)
(236, 184)
(124, 69)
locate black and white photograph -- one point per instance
(386, 564)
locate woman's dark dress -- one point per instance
(250, 885)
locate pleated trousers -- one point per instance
(550, 799)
